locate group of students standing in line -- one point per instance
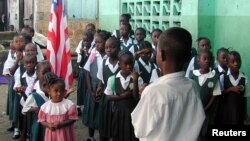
(113, 85)
(222, 87)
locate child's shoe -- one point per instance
(16, 134)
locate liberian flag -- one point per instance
(58, 46)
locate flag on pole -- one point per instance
(58, 46)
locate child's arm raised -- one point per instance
(16, 64)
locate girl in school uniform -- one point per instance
(91, 105)
(124, 18)
(209, 86)
(222, 61)
(82, 57)
(221, 69)
(123, 89)
(155, 34)
(203, 45)
(58, 115)
(107, 68)
(140, 35)
(36, 99)
(233, 110)
(145, 65)
(127, 42)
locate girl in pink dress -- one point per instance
(58, 114)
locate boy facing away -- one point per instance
(171, 113)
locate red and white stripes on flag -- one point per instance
(58, 46)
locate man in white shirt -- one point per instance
(170, 109)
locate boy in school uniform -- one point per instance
(171, 113)
(24, 83)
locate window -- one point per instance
(81, 9)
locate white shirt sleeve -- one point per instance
(100, 72)
(132, 49)
(144, 113)
(108, 90)
(87, 65)
(190, 67)
(114, 33)
(140, 82)
(79, 58)
(136, 67)
(217, 89)
(222, 82)
(78, 48)
(8, 64)
(78, 51)
(29, 103)
(39, 54)
(154, 76)
(17, 78)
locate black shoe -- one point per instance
(11, 129)
(79, 112)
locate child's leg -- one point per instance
(91, 132)
(24, 128)
(17, 118)
(80, 90)
(104, 139)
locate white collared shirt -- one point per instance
(154, 76)
(235, 82)
(148, 66)
(124, 82)
(39, 52)
(31, 102)
(169, 109)
(30, 80)
(153, 46)
(98, 57)
(112, 68)
(202, 78)
(220, 69)
(78, 50)
(190, 67)
(129, 42)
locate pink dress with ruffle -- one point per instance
(58, 112)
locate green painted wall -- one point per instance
(189, 19)
(109, 11)
(226, 23)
